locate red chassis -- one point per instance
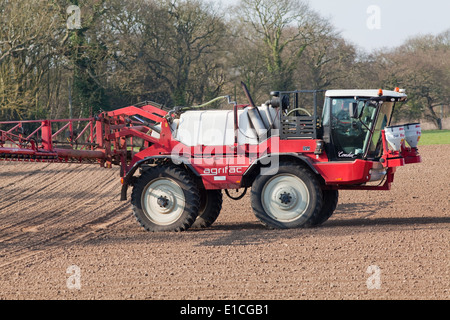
(295, 175)
(226, 167)
(107, 139)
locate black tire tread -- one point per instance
(288, 167)
(330, 201)
(186, 183)
(210, 213)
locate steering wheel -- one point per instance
(345, 126)
(299, 109)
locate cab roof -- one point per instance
(364, 93)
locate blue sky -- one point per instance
(374, 24)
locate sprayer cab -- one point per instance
(356, 125)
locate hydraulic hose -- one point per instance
(207, 103)
(182, 109)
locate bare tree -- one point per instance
(282, 26)
(422, 66)
(168, 49)
(28, 33)
(246, 62)
(326, 63)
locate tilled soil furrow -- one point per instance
(63, 236)
(53, 216)
(54, 201)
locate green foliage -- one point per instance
(433, 137)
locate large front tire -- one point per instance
(165, 198)
(330, 201)
(289, 199)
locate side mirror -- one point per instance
(353, 110)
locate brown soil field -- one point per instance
(378, 245)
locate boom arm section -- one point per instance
(106, 139)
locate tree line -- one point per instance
(58, 61)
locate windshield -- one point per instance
(356, 137)
(374, 142)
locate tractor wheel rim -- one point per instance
(163, 201)
(285, 197)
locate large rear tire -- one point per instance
(165, 198)
(210, 207)
(289, 199)
(330, 201)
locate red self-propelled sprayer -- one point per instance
(179, 161)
